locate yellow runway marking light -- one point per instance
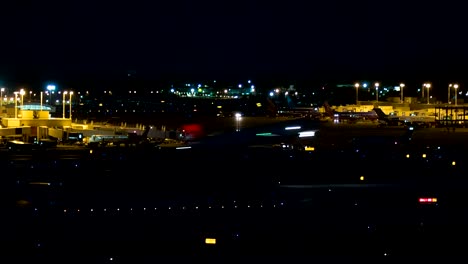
(210, 241)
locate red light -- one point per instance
(427, 200)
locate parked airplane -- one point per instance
(421, 121)
(349, 116)
(129, 139)
(299, 111)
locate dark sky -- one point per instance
(340, 39)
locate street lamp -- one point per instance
(41, 100)
(63, 103)
(22, 92)
(402, 85)
(1, 95)
(377, 91)
(50, 88)
(357, 88)
(448, 98)
(16, 105)
(455, 86)
(428, 85)
(422, 90)
(71, 93)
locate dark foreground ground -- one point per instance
(275, 205)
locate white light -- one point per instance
(306, 133)
(292, 128)
(184, 147)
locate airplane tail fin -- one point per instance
(145, 133)
(328, 109)
(380, 113)
(271, 108)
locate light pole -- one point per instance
(1, 95)
(448, 98)
(422, 90)
(50, 88)
(402, 85)
(377, 91)
(428, 85)
(16, 105)
(71, 93)
(22, 96)
(365, 86)
(455, 86)
(63, 103)
(41, 100)
(357, 89)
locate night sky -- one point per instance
(301, 40)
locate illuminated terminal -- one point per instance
(29, 120)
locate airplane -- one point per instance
(349, 116)
(414, 121)
(129, 139)
(291, 109)
(300, 111)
